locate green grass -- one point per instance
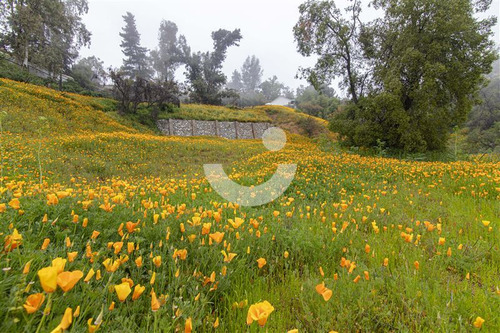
(208, 112)
(334, 207)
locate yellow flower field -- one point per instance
(124, 233)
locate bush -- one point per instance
(11, 71)
(382, 118)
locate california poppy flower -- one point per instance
(228, 257)
(188, 327)
(48, 279)
(236, 222)
(155, 304)
(206, 228)
(12, 241)
(122, 291)
(259, 312)
(157, 261)
(478, 323)
(324, 291)
(45, 244)
(217, 236)
(66, 321)
(138, 290)
(15, 204)
(67, 280)
(261, 262)
(59, 263)
(34, 302)
(89, 275)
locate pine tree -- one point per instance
(168, 56)
(136, 62)
(251, 74)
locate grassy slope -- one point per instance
(332, 210)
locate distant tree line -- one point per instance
(156, 69)
(45, 33)
(483, 126)
(411, 76)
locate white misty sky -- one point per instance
(266, 26)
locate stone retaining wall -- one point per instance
(225, 129)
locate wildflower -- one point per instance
(130, 247)
(117, 246)
(46, 243)
(110, 265)
(72, 256)
(89, 275)
(286, 254)
(236, 222)
(59, 263)
(442, 240)
(65, 322)
(206, 228)
(77, 312)
(67, 280)
(486, 223)
(261, 262)
(417, 265)
(15, 204)
(157, 261)
(122, 291)
(182, 254)
(259, 312)
(93, 327)
(228, 257)
(12, 241)
(138, 261)
(48, 279)
(138, 290)
(155, 304)
(131, 226)
(386, 262)
(478, 323)
(188, 327)
(324, 291)
(217, 236)
(26, 268)
(34, 302)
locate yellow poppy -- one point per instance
(259, 312)
(67, 280)
(48, 279)
(122, 291)
(34, 302)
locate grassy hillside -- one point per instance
(401, 246)
(284, 117)
(72, 113)
(64, 113)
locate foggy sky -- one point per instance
(266, 26)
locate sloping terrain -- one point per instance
(136, 240)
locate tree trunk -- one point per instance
(25, 61)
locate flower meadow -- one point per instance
(108, 229)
